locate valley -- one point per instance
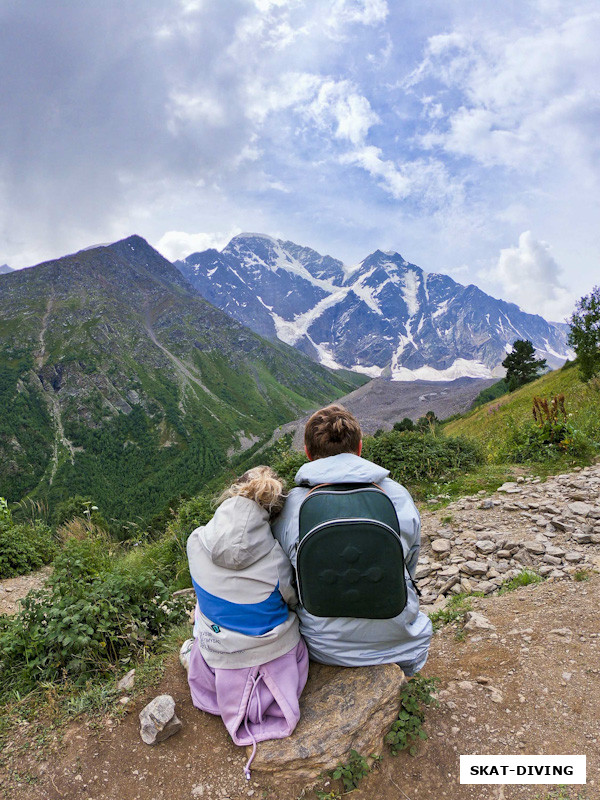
(380, 403)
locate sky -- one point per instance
(463, 135)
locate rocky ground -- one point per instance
(552, 528)
(522, 678)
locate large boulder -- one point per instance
(342, 709)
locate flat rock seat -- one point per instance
(342, 709)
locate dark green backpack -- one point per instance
(350, 561)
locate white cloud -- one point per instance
(290, 90)
(365, 12)
(530, 277)
(339, 107)
(195, 107)
(389, 176)
(267, 5)
(176, 245)
(522, 96)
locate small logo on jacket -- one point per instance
(215, 628)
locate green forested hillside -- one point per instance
(119, 383)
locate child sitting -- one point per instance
(247, 661)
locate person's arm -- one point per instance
(409, 521)
(285, 525)
(285, 575)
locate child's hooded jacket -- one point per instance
(243, 582)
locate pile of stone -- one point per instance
(551, 528)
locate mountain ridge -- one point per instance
(119, 380)
(385, 317)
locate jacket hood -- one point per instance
(239, 534)
(343, 468)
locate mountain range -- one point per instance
(119, 383)
(384, 317)
(5, 269)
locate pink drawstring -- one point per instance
(253, 690)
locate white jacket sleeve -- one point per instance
(409, 520)
(285, 575)
(285, 526)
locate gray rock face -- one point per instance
(126, 681)
(342, 709)
(486, 546)
(158, 720)
(579, 508)
(474, 568)
(441, 546)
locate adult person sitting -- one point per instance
(333, 443)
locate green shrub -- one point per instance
(493, 392)
(428, 422)
(352, 772)
(413, 456)
(24, 547)
(89, 619)
(405, 424)
(539, 443)
(286, 463)
(76, 506)
(408, 728)
(455, 611)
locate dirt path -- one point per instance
(13, 589)
(530, 684)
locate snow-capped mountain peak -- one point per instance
(385, 316)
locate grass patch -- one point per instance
(582, 575)
(455, 610)
(494, 424)
(483, 477)
(36, 723)
(525, 578)
(562, 793)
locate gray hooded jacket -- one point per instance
(242, 580)
(348, 641)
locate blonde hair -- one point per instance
(260, 484)
(330, 431)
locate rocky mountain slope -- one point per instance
(385, 317)
(119, 383)
(380, 403)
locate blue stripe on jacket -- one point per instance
(253, 619)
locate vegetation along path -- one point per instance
(521, 677)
